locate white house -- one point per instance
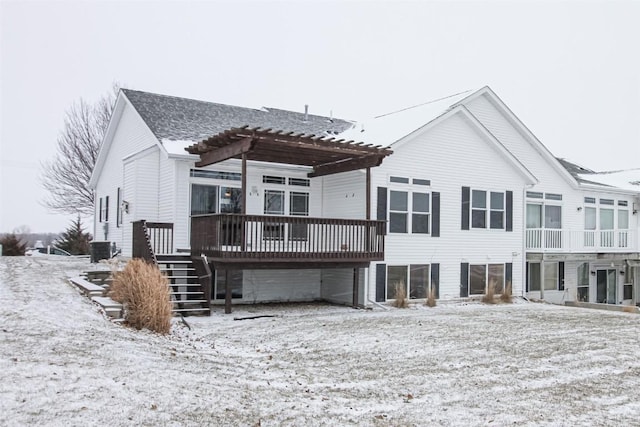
(469, 198)
(504, 209)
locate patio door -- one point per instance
(606, 286)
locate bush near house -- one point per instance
(12, 246)
(145, 295)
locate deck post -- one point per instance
(368, 198)
(227, 293)
(244, 183)
(356, 283)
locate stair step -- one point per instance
(177, 268)
(185, 310)
(188, 293)
(181, 277)
(188, 301)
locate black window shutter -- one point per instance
(382, 204)
(435, 214)
(466, 202)
(464, 279)
(106, 209)
(561, 276)
(100, 210)
(526, 278)
(435, 278)
(508, 273)
(509, 211)
(381, 282)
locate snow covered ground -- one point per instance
(63, 363)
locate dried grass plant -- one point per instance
(506, 296)
(431, 296)
(489, 296)
(145, 295)
(629, 309)
(401, 295)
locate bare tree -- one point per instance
(66, 177)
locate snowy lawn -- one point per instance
(64, 363)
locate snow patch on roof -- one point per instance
(628, 179)
(177, 146)
(385, 129)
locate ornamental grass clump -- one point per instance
(144, 293)
(488, 297)
(401, 296)
(506, 294)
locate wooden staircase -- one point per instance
(188, 295)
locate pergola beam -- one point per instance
(346, 166)
(234, 149)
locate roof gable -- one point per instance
(524, 131)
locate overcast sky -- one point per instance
(569, 70)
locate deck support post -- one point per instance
(227, 293)
(368, 193)
(356, 283)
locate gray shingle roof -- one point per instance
(174, 118)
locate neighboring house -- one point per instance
(468, 198)
(502, 209)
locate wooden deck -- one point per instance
(262, 241)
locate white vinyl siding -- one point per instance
(453, 141)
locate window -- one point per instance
(301, 182)
(623, 219)
(553, 276)
(396, 276)
(477, 279)
(497, 210)
(607, 202)
(211, 199)
(201, 173)
(589, 199)
(100, 213)
(478, 209)
(417, 285)
(119, 208)
(104, 209)
(481, 276)
(425, 182)
(551, 196)
(496, 205)
(298, 206)
(268, 179)
(534, 215)
(534, 195)
(420, 216)
(553, 216)
(399, 179)
(235, 280)
(623, 203)
(589, 218)
(398, 211)
(583, 282)
(273, 205)
(204, 199)
(533, 276)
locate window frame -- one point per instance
(410, 215)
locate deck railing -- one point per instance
(151, 239)
(280, 238)
(560, 240)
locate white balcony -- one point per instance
(560, 240)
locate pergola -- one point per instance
(326, 155)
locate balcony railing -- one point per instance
(261, 238)
(559, 240)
